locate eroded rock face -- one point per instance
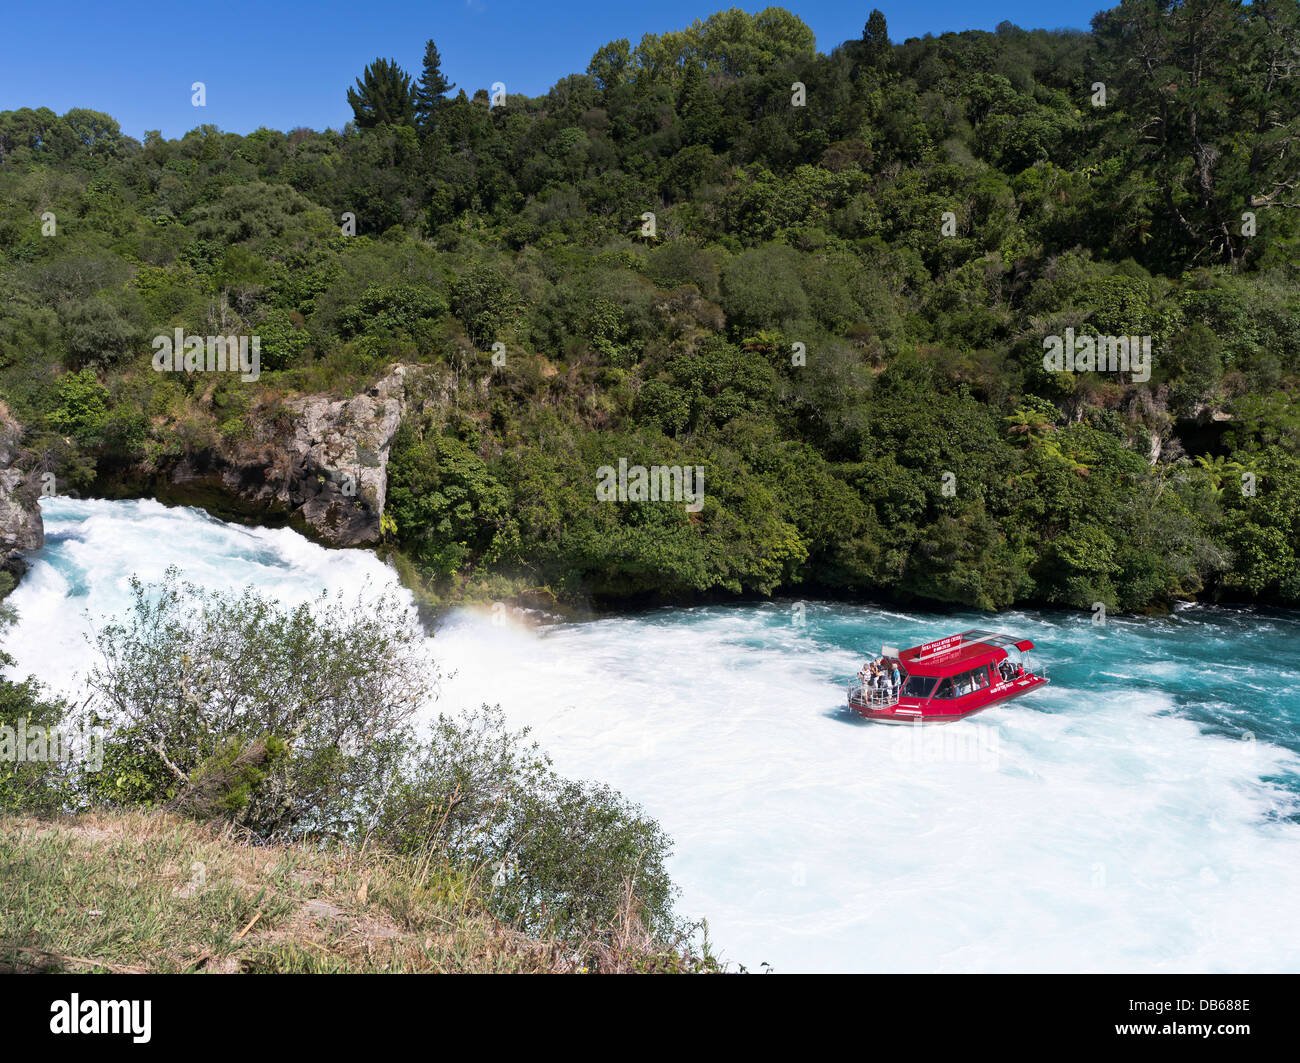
(21, 527)
(327, 462)
(344, 445)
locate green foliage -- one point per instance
(28, 719)
(282, 341)
(876, 51)
(1263, 528)
(486, 303)
(1210, 160)
(761, 288)
(447, 507)
(257, 214)
(557, 853)
(238, 704)
(27, 713)
(802, 324)
(296, 723)
(394, 310)
(81, 408)
(132, 773)
(430, 94)
(225, 783)
(96, 334)
(609, 66)
(383, 95)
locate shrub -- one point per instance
(193, 671)
(561, 855)
(82, 405)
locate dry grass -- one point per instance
(140, 892)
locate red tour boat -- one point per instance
(948, 679)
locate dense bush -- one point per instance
(838, 311)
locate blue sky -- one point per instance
(288, 63)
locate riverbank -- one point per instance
(523, 598)
(144, 893)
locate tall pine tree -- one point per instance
(697, 107)
(430, 94)
(875, 39)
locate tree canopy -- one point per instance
(383, 96)
(834, 304)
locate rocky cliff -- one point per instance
(21, 527)
(323, 461)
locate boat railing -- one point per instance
(874, 697)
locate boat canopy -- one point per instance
(958, 653)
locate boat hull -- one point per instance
(909, 711)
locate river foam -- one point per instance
(1139, 814)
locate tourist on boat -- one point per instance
(895, 678)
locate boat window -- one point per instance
(965, 683)
(918, 686)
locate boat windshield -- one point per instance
(918, 686)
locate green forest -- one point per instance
(823, 276)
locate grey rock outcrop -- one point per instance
(326, 463)
(344, 446)
(21, 527)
